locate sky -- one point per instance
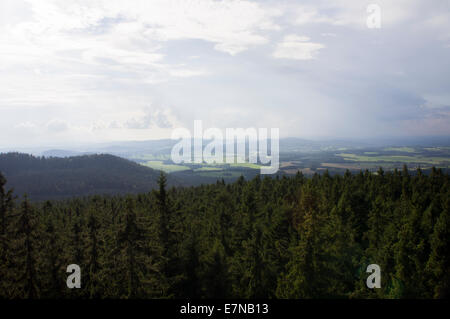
(86, 71)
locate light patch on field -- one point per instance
(151, 157)
(246, 165)
(287, 164)
(400, 149)
(293, 171)
(208, 169)
(394, 159)
(437, 149)
(342, 165)
(168, 168)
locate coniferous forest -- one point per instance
(282, 237)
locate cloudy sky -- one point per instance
(104, 70)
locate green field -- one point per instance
(214, 170)
(208, 169)
(151, 157)
(168, 168)
(246, 165)
(400, 149)
(336, 161)
(395, 159)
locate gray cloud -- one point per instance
(152, 118)
(310, 68)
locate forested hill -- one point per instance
(288, 237)
(43, 178)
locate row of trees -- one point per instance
(277, 237)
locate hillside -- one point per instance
(55, 178)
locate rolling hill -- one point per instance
(57, 178)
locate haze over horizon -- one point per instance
(101, 71)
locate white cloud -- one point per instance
(297, 47)
(306, 15)
(25, 125)
(57, 125)
(232, 25)
(328, 34)
(144, 119)
(352, 13)
(186, 73)
(97, 64)
(59, 52)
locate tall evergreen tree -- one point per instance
(26, 253)
(6, 205)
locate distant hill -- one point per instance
(61, 153)
(56, 178)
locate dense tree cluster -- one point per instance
(283, 237)
(44, 178)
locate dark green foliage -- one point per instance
(6, 205)
(26, 253)
(267, 237)
(44, 178)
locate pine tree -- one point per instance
(216, 276)
(305, 275)
(93, 280)
(6, 206)
(26, 253)
(439, 262)
(53, 272)
(163, 212)
(131, 242)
